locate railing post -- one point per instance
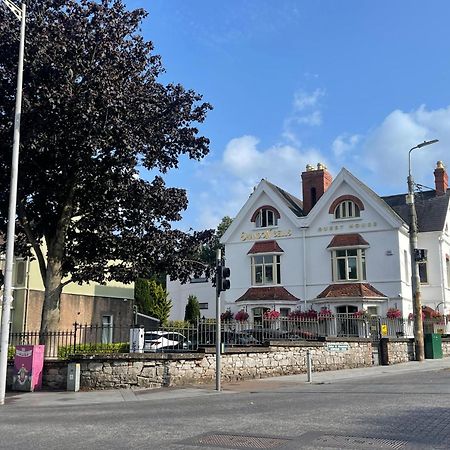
(75, 325)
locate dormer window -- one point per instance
(346, 209)
(266, 216)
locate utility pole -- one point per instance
(20, 14)
(415, 279)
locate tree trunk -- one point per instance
(50, 309)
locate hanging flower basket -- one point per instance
(271, 315)
(393, 313)
(241, 316)
(226, 316)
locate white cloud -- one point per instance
(344, 144)
(304, 100)
(313, 120)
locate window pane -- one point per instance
(341, 269)
(258, 220)
(423, 272)
(264, 219)
(268, 259)
(352, 252)
(278, 280)
(269, 218)
(258, 260)
(352, 271)
(258, 275)
(268, 274)
(337, 212)
(340, 253)
(356, 210)
(350, 209)
(343, 210)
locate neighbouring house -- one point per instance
(201, 287)
(90, 303)
(342, 247)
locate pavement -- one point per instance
(58, 398)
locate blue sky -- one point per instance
(350, 83)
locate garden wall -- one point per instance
(177, 369)
(396, 350)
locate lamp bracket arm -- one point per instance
(13, 8)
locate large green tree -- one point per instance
(94, 115)
(207, 253)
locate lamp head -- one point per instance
(425, 143)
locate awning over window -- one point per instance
(268, 293)
(265, 247)
(351, 290)
(347, 240)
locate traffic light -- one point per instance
(222, 281)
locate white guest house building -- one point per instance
(343, 247)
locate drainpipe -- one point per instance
(441, 266)
(27, 295)
(304, 265)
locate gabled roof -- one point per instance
(431, 209)
(347, 240)
(293, 203)
(265, 247)
(351, 290)
(267, 293)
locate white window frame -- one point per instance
(107, 328)
(266, 218)
(360, 259)
(275, 264)
(347, 209)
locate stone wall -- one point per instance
(396, 350)
(177, 369)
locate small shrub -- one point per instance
(178, 324)
(11, 351)
(65, 351)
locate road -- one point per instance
(376, 409)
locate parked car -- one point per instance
(228, 337)
(160, 341)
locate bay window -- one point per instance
(349, 264)
(266, 269)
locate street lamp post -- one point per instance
(20, 13)
(415, 280)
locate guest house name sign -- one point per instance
(265, 234)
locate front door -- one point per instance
(347, 323)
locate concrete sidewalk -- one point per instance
(51, 398)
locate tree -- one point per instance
(94, 114)
(142, 295)
(160, 304)
(207, 252)
(192, 311)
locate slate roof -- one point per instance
(265, 247)
(431, 209)
(293, 203)
(353, 290)
(267, 293)
(347, 240)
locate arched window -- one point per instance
(266, 216)
(346, 210)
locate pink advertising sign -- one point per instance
(28, 365)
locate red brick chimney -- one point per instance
(315, 182)
(440, 178)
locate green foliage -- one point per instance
(142, 295)
(95, 113)
(160, 304)
(11, 351)
(192, 311)
(178, 324)
(65, 351)
(208, 251)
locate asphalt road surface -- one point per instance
(392, 410)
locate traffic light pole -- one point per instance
(218, 324)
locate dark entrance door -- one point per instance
(347, 324)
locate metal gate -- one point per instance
(375, 335)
